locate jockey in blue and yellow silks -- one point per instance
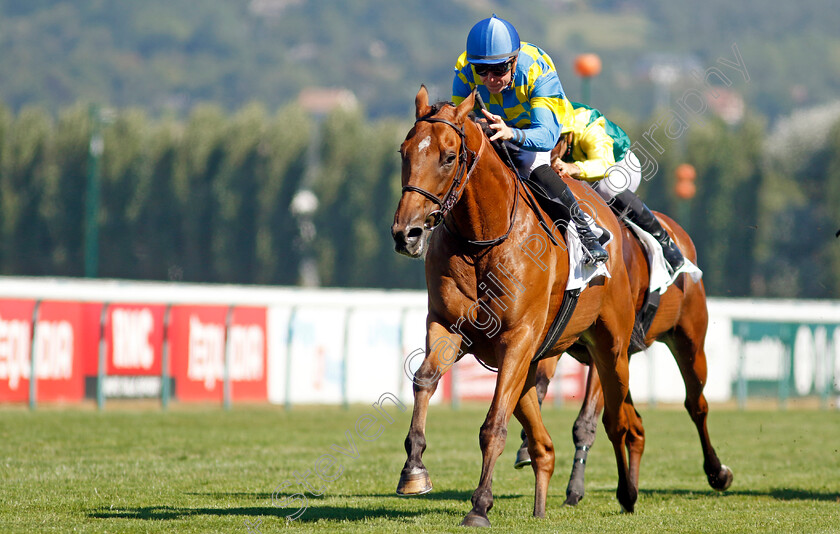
(595, 149)
(526, 108)
(534, 104)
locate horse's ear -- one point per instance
(421, 103)
(464, 108)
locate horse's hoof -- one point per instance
(414, 483)
(522, 458)
(573, 498)
(722, 480)
(472, 519)
(627, 500)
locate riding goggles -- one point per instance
(496, 69)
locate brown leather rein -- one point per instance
(453, 194)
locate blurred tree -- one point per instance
(235, 191)
(799, 202)
(67, 192)
(359, 173)
(724, 217)
(124, 163)
(199, 162)
(152, 213)
(817, 220)
(284, 148)
(6, 120)
(24, 200)
(342, 187)
(832, 213)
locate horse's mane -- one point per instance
(437, 106)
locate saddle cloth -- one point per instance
(580, 273)
(660, 278)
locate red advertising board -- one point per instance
(198, 339)
(91, 334)
(15, 341)
(474, 382)
(134, 337)
(59, 348)
(249, 354)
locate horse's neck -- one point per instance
(484, 210)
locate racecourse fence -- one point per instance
(98, 340)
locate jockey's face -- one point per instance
(494, 82)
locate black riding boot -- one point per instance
(629, 203)
(560, 193)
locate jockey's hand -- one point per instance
(496, 123)
(561, 167)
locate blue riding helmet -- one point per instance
(492, 40)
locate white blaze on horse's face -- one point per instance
(415, 217)
(424, 144)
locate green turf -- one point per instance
(206, 470)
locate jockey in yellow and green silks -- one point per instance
(595, 149)
(598, 144)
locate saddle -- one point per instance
(538, 196)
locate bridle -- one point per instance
(453, 194)
(462, 173)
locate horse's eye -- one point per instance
(450, 159)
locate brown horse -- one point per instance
(495, 283)
(680, 322)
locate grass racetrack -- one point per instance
(201, 469)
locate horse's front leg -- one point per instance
(514, 360)
(442, 350)
(539, 442)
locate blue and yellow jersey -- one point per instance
(534, 105)
(598, 142)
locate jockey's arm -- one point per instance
(597, 151)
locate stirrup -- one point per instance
(594, 252)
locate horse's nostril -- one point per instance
(414, 232)
(407, 238)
